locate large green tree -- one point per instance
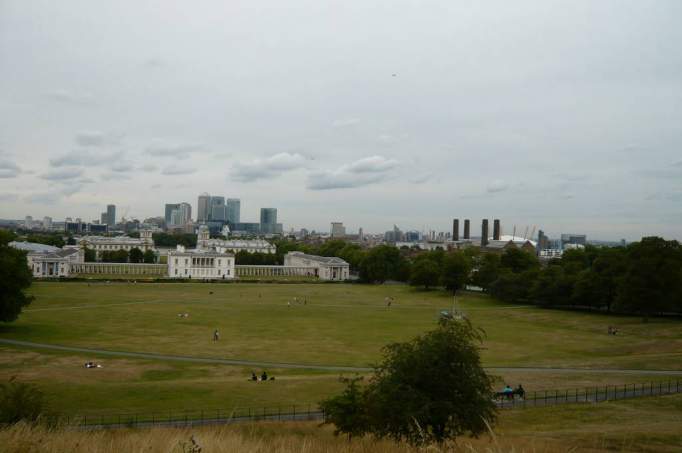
(136, 255)
(652, 282)
(427, 390)
(15, 278)
(432, 388)
(424, 272)
(455, 270)
(383, 263)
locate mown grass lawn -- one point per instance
(339, 324)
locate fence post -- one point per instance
(279, 413)
(660, 387)
(294, 412)
(556, 397)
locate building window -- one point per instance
(186, 261)
(219, 262)
(176, 272)
(176, 261)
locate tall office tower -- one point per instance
(111, 215)
(338, 230)
(186, 210)
(467, 224)
(203, 209)
(268, 220)
(47, 223)
(233, 210)
(361, 234)
(543, 240)
(496, 229)
(102, 219)
(28, 222)
(455, 229)
(217, 209)
(484, 232)
(170, 207)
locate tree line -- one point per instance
(135, 255)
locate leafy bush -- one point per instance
(20, 401)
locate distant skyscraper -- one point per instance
(577, 239)
(467, 232)
(47, 223)
(455, 229)
(170, 207)
(233, 210)
(338, 230)
(28, 222)
(484, 233)
(111, 215)
(543, 240)
(102, 219)
(361, 234)
(203, 210)
(268, 220)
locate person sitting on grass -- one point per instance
(508, 391)
(253, 376)
(264, 376)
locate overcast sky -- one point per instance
(565, 115)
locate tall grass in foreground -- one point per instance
(262, 438)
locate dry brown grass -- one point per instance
(262, 438)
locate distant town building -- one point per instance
(204, 242)
(579, 239)
(327, 268)
(46, 261)
(268, 221)
(338, 231)
(111, 215)
(28, 222)
(200, 264)
(104, 243)
(233, 210)
(47, 223)
(203, 208)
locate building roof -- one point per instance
(320, 259)
(202, 252)
(33, 247)
(53, 255)
(240, 243)
(113, 240)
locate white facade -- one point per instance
(200, 264)
(204, 242)
(102, 243)
(328, 268)
(46, 261)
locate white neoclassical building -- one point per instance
(46, 261)
(200, 264)
(103, 243)
(327, 267)
(204, 241)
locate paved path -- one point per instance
(261, 364)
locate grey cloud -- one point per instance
(85, 158)
(47, 198)
(97, 138)
(179, 151)
(71, 189)
(269, 167)
(115, 177)
(176, 170)
(149, 168)
(9, 169)
(67, 97)
(8, 197)
(62, 175)
(497, 185)
(421, 179)
(356, 174)
(121, 167)
(345, 122)
(156, 186)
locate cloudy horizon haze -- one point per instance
(563, 115)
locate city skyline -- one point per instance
(403, 114)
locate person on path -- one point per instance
(216, 335)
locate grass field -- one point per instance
(640, 425)
(340, 324)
